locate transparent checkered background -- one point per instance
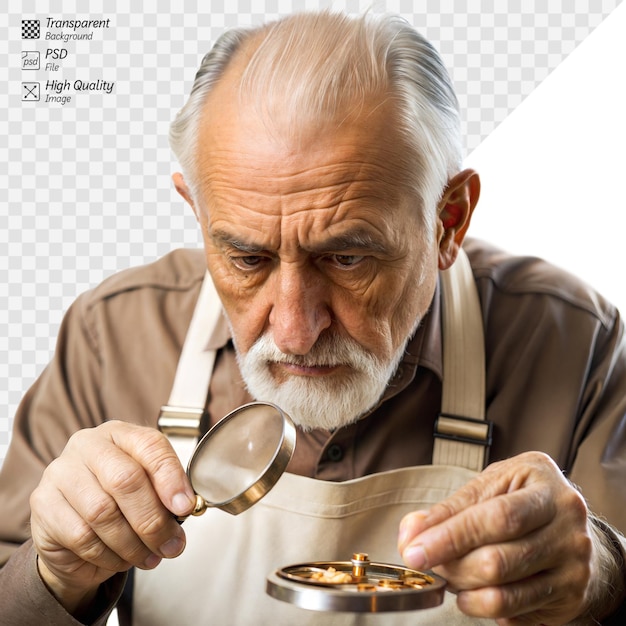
(85, 187)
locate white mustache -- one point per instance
(328, 351)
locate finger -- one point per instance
(475, 491)
(540, 599)
(497, 520)
(102, 528)
(499, 563)
(152, 450)
(499, 478)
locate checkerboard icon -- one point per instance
(30, 29)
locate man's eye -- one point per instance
(247, 262)
(348, 259)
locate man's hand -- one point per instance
(514, 543)
(106, 505)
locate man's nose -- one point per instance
(300, 309)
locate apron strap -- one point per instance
(462, 435)
(180, 418)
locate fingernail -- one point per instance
(403, 534)
(181, 504)
(152, 561)
(415, 557)
(410, 526)
(172, 548)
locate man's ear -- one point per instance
(182, 188)
(454, 214)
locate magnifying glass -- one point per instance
(241, 458)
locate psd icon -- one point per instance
(30, 59)
(30, 29)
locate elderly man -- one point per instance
(321, 156)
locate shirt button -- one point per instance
(334, 452)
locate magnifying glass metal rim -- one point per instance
(268, 477)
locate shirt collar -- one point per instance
(220, 336)
(423, 350)
(426, 347)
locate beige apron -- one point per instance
(221, 576)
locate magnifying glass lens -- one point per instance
(238, 452)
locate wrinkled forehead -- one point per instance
(238, 151)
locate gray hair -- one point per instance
(313, 66)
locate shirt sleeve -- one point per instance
(599, 466)
(34, 604)
(599, 451)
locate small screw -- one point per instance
(360, 561)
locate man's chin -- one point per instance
(340, 397)
(319, 421)
(309, 423)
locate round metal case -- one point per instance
(358, 586)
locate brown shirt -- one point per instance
(556, 382)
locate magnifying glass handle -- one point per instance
(199, 508)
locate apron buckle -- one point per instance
(464, 429)
(180, 421)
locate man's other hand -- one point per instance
(515, 544)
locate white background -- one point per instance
(554, 172)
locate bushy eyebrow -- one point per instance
(224, 238)
(354, 240)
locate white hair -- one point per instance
(321, 67)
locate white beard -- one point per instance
(326, 402)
